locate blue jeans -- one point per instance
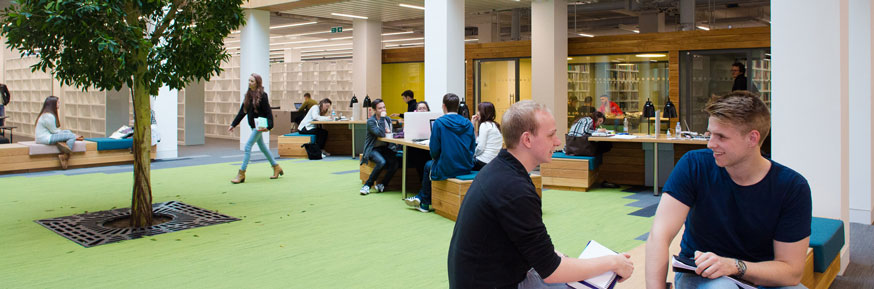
(425, 192)
(63, 136)
(256, 137)
(686, 280)
(380, 157)
(534, 281)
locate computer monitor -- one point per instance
(417, 125)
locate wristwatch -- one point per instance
(741, 268)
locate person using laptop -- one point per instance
(383, 155)
(499, 240)
(452, 145)
(321, 112)
(304, 107)
(745, 216)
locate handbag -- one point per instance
(313, 151)
(579, 145)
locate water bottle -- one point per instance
(678, 129)
(625, 126)
(668, 133)
(333, 114)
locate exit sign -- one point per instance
(337, 29)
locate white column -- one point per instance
(444, 50)
(292, 55)
(487, 32)
(651, 22)
(549, 58)
(687, 15)
(861, 106)
(819, 150)
(194, 109)
(166, 117)
(254, 58)
(367, 59)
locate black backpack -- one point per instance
(313, 151)
(7, 97)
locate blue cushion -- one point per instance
(594, 162)
(105, 143)
(467, 177)
(826, 239)
(312, 136)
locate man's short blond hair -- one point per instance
(742, 109)
(520, 118)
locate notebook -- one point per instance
(686, 265)
(604, 281)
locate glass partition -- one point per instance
(502, 82)
(618, 85)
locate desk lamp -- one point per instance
(353, 101)
(648, 111)
(670, 112)
(367, 104)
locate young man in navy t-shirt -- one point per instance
(745, 216)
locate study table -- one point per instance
(339, 138)
(404, 143)
(655, 140)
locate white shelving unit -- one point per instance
(84, 112)
(29, 91)
(322, 79)
(180, 117)
(222, 101)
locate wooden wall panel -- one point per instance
(411, 54)
(624, 164)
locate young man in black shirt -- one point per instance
(500, 240)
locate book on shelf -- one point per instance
(687, 265)
(606, 280)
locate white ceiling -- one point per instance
(389, 10)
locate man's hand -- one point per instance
(395, 115)
(713, 266)
(623, 266)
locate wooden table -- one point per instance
(643, 138)
(9, 128)
(338, 144)
(404, 143)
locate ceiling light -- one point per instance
(472, 39)
(397, 33)
(586, 35)
(405, 39)
(232, 41)
(570, 58)
(411, 6)
(405, 44)
(330, 53)
(702, 27)
(229, 48)
(326, 50)
(299, 42)
(293, 25)
(651, 55)
(625, 64)
(350, 16)
(326, 45)
(342, 38)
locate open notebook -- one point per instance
(603, 281)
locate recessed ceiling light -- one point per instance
(586, 35)
(397, 33)
(292, 25)
(350, 16)
(705, 28)
(405, 39)
(411, 6)
(472, 39)
(326, 45)
(651, 55)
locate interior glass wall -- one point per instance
(629, 80)
(502, 82)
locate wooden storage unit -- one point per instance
(447, 195)
(339, 139)
(624, 164)
(414, 181)
(290, 146)
(568, 174)
(15, 158)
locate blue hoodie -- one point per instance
(452, 146)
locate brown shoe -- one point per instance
(277, 171)
(62, 146)
(241, 177)
(63, 158)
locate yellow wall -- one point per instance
(397, 77)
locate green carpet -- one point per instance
(308, 229)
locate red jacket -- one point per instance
(614, 109)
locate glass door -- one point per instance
(497, 81)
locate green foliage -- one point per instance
(99, 43)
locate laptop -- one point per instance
(417, 125)
(297, 105)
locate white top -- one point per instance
(489, 142)
(312, 115)
(45, 128)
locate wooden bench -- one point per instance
(414, 181)
(290, 145)
(572, 173)
(16, 158)
(447, 195)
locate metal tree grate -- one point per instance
(88, 230)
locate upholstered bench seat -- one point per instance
(447, 195)
(44, 149)
(290, 145)
(105, 143)
(824, 255)
(565, 172)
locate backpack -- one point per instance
(7, 97)
(313, 151)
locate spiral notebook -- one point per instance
(604, 281)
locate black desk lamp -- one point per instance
(366, 102)
(353, 101)
(670, 112)
(648, 111)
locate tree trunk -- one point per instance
(141, 203)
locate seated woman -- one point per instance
(488, 139)
(416, 158)
(48, 130)
(422, 106)
(307, 127)
(585, 126)
(381, 153)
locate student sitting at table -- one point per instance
(452, 145)
(307, 127)
(422, 106)
(587, 125)
(48, 130)
(416, 157)
(380, 153)
(488, 138)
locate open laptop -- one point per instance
(417, 125)
(297, 105)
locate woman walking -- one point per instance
(255, 105)
(48, 130)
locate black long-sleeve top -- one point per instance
(263, 111)
(500, 233)
(411, 106)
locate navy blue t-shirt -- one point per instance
(739, 221)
